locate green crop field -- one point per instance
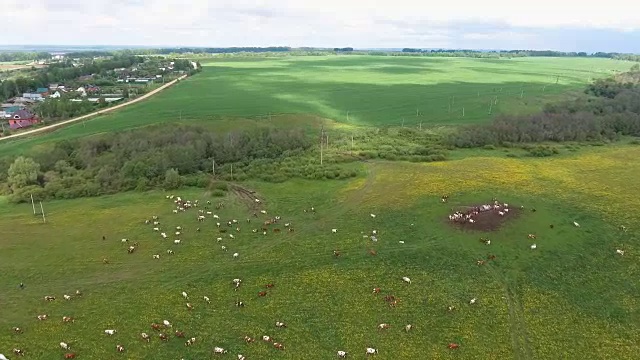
(355, 90)
(573, 297)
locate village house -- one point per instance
(22, 119)
(42, 91)
(33, 96)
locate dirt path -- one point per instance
(518, 327)
(84, 117)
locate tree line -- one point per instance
(151, 157)
(24, 56)
(609, 109)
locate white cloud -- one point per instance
(358, 23)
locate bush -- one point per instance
(218, 193)
(542, 151)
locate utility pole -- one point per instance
(33, 205)
(44, 219)
(232, 172)
(420, 125)
(521, 93)
(322, 140)
(490, 106)
(213, 165)
(402, 122)
(351, 142)
(449, 105)
(417, 112)
(463, 111)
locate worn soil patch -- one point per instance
(248, 197)
(486, 221)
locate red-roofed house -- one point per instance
(22, 119)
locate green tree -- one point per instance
(24, 171)
(171, 179)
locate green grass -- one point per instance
(572, 298)
(375, 91)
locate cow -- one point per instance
(262, 293)
(64, 346)
(383, 326)
(68, 319)
(248, 339)
(145, 337)
(163, 337)
(70, 356)
(269, 286)
(371, 351)
(342, 354)
(42, 317)
(453, 346)
(278, 346)
(18, 352)
(219, 350)
(110, 332)
(376, 290)
(17, 330)
(280, 324)
(189, 306)
(119, 348)
(155, 326)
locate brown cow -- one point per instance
(278, 346)
(453, 346)
(155, 326)
(336, 253)
(179, 334)
(163, 337)
(376, 290)
(276, 230)
(262, 293)
(373, 252)
(249, 339)
(269, 285)
(70, 356)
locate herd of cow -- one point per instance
(162, 330)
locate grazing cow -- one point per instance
(42, 317)
(189, 306)
(49, 298)
(68, 319)
(190, 342)
(155, 326)
(179, 334)
(376, 290)
(239, 304)
(451, 308)
(400, 242)
(240, 357)
(166, 323)
(550, 226)
(491, 257)
(64, 345)
(66, 297)
(373, 252)
(453, 346)
(266, 338)
(383, 326)
(408, 328)
(125, 240)
(177, 242)
(576, 224)
(334, 230)
(131, 249)
(473, 301)
(110, 332)
(531, 236)
(224, 248)
(207, 299)
(533, 247)
(119, 348)
(170, 252)
(17, 330)
(163, 337)
(219, 350)
(235, 255)
(231, 236)
(156, 256)
(480, 262)
(623, 228)
(336, 253)
(70, 356)
(262, 293)
(18, 352)
(248, 339)
(222, 231)
(269, 285)
(280, 324)
(342, 354)
(184, 295)
(620, 252)
(278, 346)
(105, 261)
(406, 279)
(145, 337)
(371, 351)
(78, 293)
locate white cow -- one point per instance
(66, 297)
(620, 252)
(533, 247)
(219, 350)
(371, 351)
(342, 354)
(373, 215)
(166, 323)
(176, 242)
(473, 301)
(334, 230)
(110, 332)
(576, 224)
(2, 357)
(156, 256)
(184, 295)
(406, 279)
(64, 345)
(224, 248)
(207, 299)
(235, 255)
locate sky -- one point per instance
(566, 25)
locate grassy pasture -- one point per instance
(572, 298)
(375, 91)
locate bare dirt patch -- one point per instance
(487, 221)
(248, 197)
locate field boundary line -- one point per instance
(95, 113)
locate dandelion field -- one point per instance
(571, 298)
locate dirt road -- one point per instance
(83, 117)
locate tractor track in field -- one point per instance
(520, 340)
